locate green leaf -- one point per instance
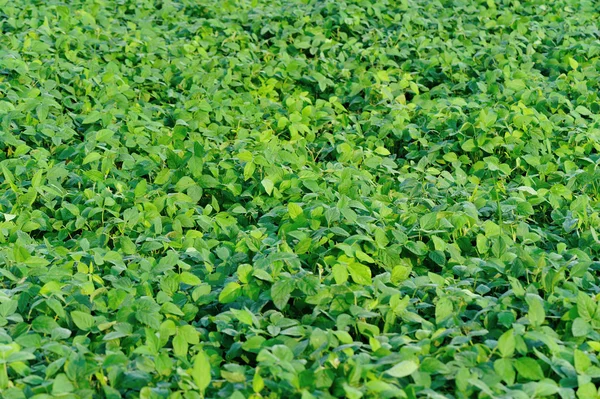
(83, 321)
(230, 292)
(507, 343)
(180, 345)
(418, 248)
(403, 369)
(468, 145)
(258, 382)
(585, 307)
(91, 157)
(189, 279)
(428, 221)
(93, 117)
(516, 84)
(401, 273)
(581, 328)
(529, 369)
(281, 292)
(582, 361)
(190, 334)
(9, 177)
(505, 370)
(443, 309)
(580, 109)
(268, 185)
(294, 210)
(147, 312)
(201, 371)
(340, 273)
(244, 316)
(62, 385)
(536, 314)
(262, 275)
(104, 135)
(360, 274)
(574, 64)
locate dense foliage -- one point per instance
(299, 199)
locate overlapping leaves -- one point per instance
(299, 199)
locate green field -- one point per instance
(299, 199)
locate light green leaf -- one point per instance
(201, 371)
(536, 314)
(340, 273)
(230, 293)
(82, 320)
(360, 274)
(180, 345)
(507, 343)
(268, 185)
(403, 369)
(294, 210)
